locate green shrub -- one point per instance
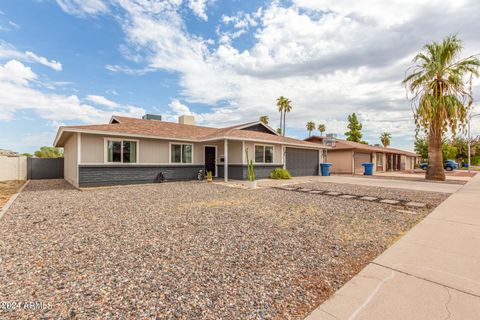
(280, 173)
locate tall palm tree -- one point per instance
(287, 107)
(440, 95)
(385, 138)
(310, 127)
(322, 128)
(264, 119)
(280, 104)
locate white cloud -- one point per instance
(15, 72)
(7, 51)
(179, 108)
(82, 7)
(16, 94)
(329, 57)
(55, 65)
(199, 8)
(101, 100)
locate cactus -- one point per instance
(251, 173)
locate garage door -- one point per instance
(359, 159)
(302, 162)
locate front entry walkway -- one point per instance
(431, 273)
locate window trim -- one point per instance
(264, 145)
(181, 153)
(121, 140)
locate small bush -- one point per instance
(280, 173)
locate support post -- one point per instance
(225, 160)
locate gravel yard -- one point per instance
(189, 250)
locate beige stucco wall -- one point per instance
(13, 168)
(277, 151)
(341, 160)
(70, 160)
(153, 151)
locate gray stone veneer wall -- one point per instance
(108, 175)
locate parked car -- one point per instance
(449, 165)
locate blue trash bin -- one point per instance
(325, 168)
(368, 168)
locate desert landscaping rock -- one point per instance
(388, 201)
(316, 192)
(304, 190)
(366, 198)
(347, 196)
(332, 193)
(416, 204)
(187, 250)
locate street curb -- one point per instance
(9, 203)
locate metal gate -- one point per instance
(302, 162)
(44, 168)
(360, 158)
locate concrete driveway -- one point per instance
(445, 187)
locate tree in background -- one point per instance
(26, 154)
(440, 95)
(264, 119)
(287, 107)
(385, 138)
(279, 130)
(280, 104)
(310, 127)
(355, 127)
(449, 151)
(421, 148)
(49, 152)
(322, 128)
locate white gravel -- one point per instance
(187, 250)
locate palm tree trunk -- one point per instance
(281, 117)
(284, 116)
(435, 169)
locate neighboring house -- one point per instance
(129, 150)
(347, 157)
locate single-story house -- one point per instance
(130, 150)
(348, 156)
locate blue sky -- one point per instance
(79, 61)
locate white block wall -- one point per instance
(13, 168)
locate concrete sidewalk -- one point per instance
(433, 272)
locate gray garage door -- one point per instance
(302, 162)
(359, 159)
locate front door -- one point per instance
(210, 156)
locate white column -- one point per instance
(225, 160)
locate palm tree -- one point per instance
(264, 119)
(322, 128)
(385, 138)
(310, 127)
(287, 107)
(440, 96)
(280, 104)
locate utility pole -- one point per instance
(470, 137)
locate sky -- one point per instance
(68, 62)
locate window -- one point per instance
(379, 159)
(263, 154)
(181, 153)
(121, 151)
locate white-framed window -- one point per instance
(181, 153)
(263, 154)
(121, 150)
(379, 159)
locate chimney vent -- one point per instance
(186, 119)
(152, 117)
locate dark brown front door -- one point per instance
(210, 155)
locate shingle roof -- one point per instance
(171, 130)
(350, 145)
